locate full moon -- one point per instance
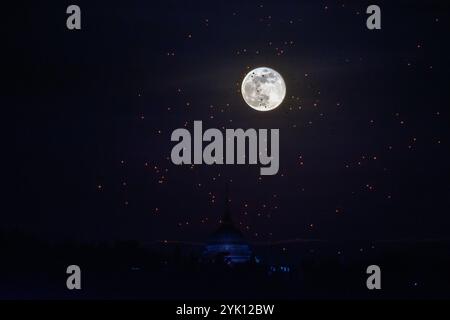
(263, 89)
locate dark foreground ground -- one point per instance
(31, 269)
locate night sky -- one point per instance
(364, 127)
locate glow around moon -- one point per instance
(263, 89)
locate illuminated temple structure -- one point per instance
(227, 244)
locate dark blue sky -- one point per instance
(363, 130)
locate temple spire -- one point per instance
(227, 213)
